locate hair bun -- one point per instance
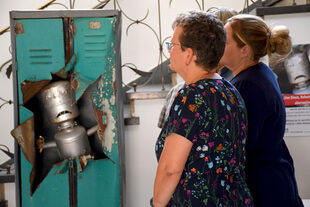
(280, 40)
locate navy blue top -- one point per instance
(269, 165)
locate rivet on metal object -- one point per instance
(94, 25)
(19, 29)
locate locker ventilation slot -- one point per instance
(95, 46)
(41, 56)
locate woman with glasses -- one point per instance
(201, 146)
(269, 165)
(222, 13)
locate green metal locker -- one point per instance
(82, 48)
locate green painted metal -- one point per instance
(94, 45)
(83, 83)
(40, 52)
(49, 193)
(53, 191)
(39, 49)
(68, 67)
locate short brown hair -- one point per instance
(223, 13)
(252, 30)
(205, 34)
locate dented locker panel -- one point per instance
(39, 52)
(39, 49)
(95, 50)
(51, 192)
(94, 46)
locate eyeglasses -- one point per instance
(171, 45)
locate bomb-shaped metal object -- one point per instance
(56, 101)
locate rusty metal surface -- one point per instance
(83, 160)
(24, 135)
(101, 120)
(79, 84)
(31, 88)
(19, 28)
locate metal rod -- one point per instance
(46, 5)
(92, 130)
(73, 183)
(4, 30)
(2, 192)
(49, 145)
(160, 50)
(101, 4)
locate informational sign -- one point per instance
(293, 75)
(297, 115)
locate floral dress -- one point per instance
(212, 115)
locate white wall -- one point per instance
(141, 48)
(141, 162)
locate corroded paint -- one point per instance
(31, 88)
(102, 122)
(104, 101)
(79, 83)
(109, 133)
(24, 135)
(81, 162)
(19, 29)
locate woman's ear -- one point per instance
(246, 51)
(190, 56)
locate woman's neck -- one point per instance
(199, 76)
(242, 66)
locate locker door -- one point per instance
(94, 46)
(39, 52)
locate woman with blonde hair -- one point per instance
(269, 166)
